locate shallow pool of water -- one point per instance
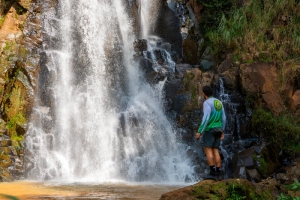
(36, 190)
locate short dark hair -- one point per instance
(208, 91)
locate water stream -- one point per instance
(95, 117)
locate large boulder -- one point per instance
(262, 79)
(256, 162)
(267, 161)
(228, 189)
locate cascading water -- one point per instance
(101, 121)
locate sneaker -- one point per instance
(210, 176)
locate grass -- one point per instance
(213, 11)
(9, 197)
(295, 187)
(283, 130)
(236, 192)
(271, 26)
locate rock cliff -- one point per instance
(20, 39)
(251, 78)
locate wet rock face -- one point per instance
(168, 28)
(20, 39)
(140, 46)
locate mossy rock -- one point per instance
(228, 189)
(5, 143)
(267, 161)
(15, 103)
(4, 174)
(5, 160)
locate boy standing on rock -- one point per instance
(212, 128)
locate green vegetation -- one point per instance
(19, 9)
(282, 130)
(230, 190)
(1, 21)
(9, 45)
(271, 26)
(8, 197)
(284, 197)
(236, 192)
(263, 165)
(213, 12)
(17, 120)
(293, 188)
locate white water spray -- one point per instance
(104, 122)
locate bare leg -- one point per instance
(216, 156)
(209, 156)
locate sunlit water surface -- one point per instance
(50, 190)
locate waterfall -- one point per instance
(148, 16)
(96, 119)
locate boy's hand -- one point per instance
(197, 136)
(222, 136)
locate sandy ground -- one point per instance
(34, 190)
(27, 189)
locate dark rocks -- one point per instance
(289, 174)
(190, 51)
(146, 65)
(256, 162)
(168, 28)
(268, 160)
(282, 177)
(253, 175)
(140, 45)
(242, 160)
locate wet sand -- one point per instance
(34, 190)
